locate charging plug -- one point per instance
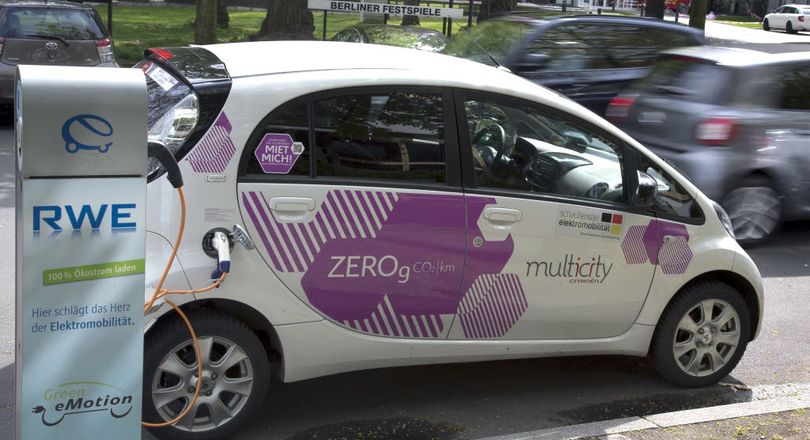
(221, 243)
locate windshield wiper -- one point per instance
(48, 37)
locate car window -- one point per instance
(594, 46)
(672, 199)
(70, 24)
(688, 79)
(527, 149)
(795, 89)
(290, 120)
(806, 11)
(491, 39)
(367, 136)
(393, 136)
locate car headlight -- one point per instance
(174, 127)
(724, 219)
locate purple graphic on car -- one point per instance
(665, 244)
(277, 153)
(493, 304)
(214, 151)
(388, 263)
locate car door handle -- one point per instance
(503, 215)
(292, 204)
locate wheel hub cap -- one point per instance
(706, 337)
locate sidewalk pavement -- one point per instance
(772, 419)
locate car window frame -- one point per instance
(452, 162)
(629, 160)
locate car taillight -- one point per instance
(619, 107)
(105, 50)
(715, 131)
(801, 18)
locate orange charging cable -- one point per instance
(161, 292)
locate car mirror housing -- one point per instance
(530, 62)
(646, 191)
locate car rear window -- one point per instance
(689, 79)
(491, 39)
(68, 24)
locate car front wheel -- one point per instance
(234, 380)
(702, 335)
(755, 210)
(765, 26)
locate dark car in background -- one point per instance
(393, 35)
(588, 58)
(737, 122)
(49, 33)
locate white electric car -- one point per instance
(393, 207)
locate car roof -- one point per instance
(527, 16)
(44, 4)
(241, 59)
(738, 57)
(796, 5)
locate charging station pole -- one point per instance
(81, 193)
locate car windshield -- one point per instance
(68, 24)
(689, 79)
(414, 38)
(491, 39)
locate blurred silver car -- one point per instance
(411, 37)
(737, 122)
(50, 33)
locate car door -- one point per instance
(353, 197)
(779, 15)
(554, 248)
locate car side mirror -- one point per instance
(530, 62)
(646, 191)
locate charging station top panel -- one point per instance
(81, 121)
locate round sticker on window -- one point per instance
(277, 153)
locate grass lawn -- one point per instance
(136, 28)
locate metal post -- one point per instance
(450, 23)
(469, 15)
(324, 24)
(109, 17)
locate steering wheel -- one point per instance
(494, 137)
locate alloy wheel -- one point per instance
(755, 212)
(706, 337)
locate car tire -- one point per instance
(695, 344)
(789, 28)
(755, 210)
(765, 26)
(230, 394)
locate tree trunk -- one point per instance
(411, 20)
(223, 19)
(493, 8)
(697, 13)
(655, 8)
(287, 20)
(205, 26)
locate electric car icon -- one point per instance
(92, 129)
(392, 207)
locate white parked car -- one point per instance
(413, 208)
(791, 18)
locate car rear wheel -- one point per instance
(702, 335)
(235, 376)
(765, 26)
(755, 211)
(789, 28)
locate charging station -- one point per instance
(81, 193)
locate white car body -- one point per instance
(607, 313)
(797, 15)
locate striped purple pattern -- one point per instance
(343, 214)
(675, 255)
(492, 305)
(386, 322)
(215, 150)
(633, 245)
